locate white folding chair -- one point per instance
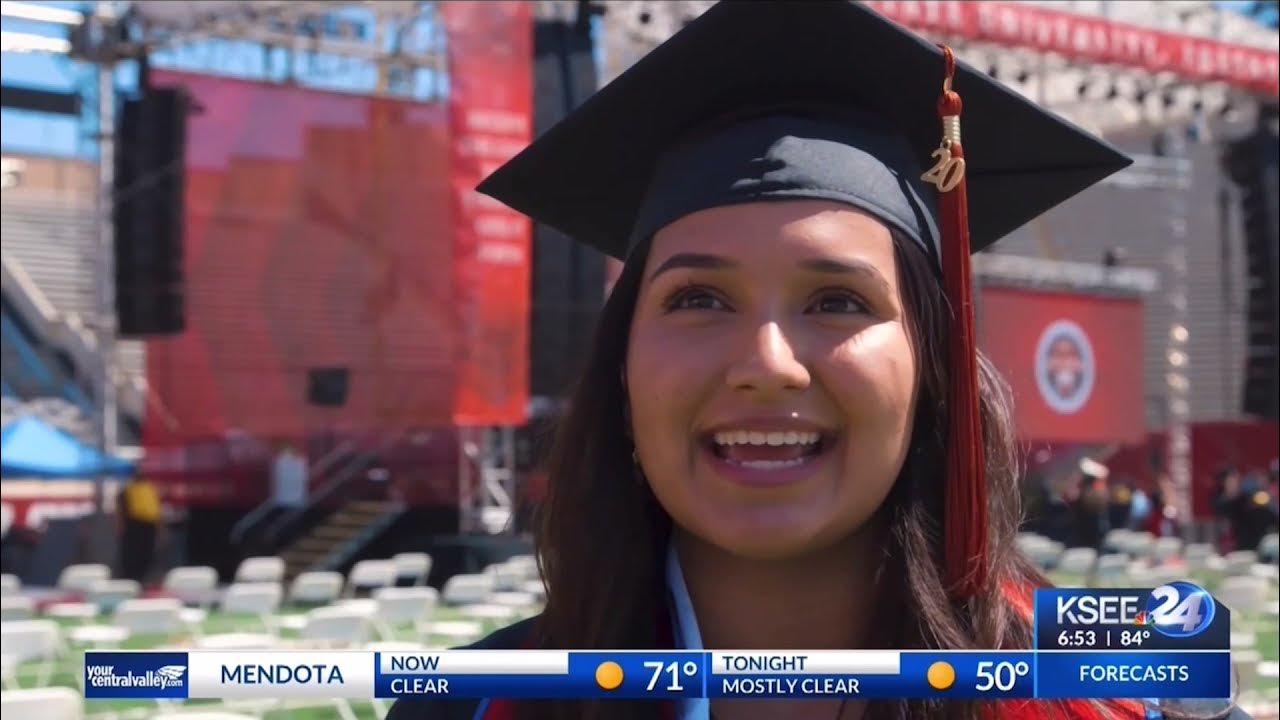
(192, 584)
(534, 588)
(206, 715)
(1140, 545)
(336, 626)
(150, 617)
(491, 615)
(1240, 562)
(402, 605)
(80, 578)
(366, 575)
(238, 641)
(412, 568)
(268, 569)
(24, 641)
(81, 612)
(1196, 555)
(1269, 548)
(17, 607)
(1077, 560)
(454, 632)
(315, 587)
(107, 594)
(1040, 550)
(1111, 568)
(50, 703)
(505, 577)
(466, 589)
(261, 599)
(1117, 540)
(1245, 662)
(10, 585)
(525, 565)
(1165, 549)
(1244, 594)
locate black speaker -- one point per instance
(568, 277)
(1252, 163)
(148, 213)
(327, 387)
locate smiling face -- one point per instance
(770, 374)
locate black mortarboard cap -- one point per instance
(836, 101)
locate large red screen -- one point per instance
(328, 230)
(1074, 362)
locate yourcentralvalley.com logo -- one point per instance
(136, 675)
(161, 678)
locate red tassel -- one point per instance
(965, 521)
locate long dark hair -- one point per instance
(602, 537)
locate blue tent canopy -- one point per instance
(30, 447)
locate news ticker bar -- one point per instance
(657, 675)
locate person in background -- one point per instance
(1059, 515)
(1120, 507)
(1091, 507)
(1273, 483)
(139, 513)
(1164, 520)
(289, 477)
(1226, 482)
(1252, 512)
(1139, 509)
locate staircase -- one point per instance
(339, 537)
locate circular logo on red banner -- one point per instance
(1065, 368)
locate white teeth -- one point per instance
(743, 437)
(771, 464)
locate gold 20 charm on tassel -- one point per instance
(948, 172)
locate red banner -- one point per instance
(1074, 363)
(1092, 39)
(490, 55)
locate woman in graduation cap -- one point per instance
(784, 436)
